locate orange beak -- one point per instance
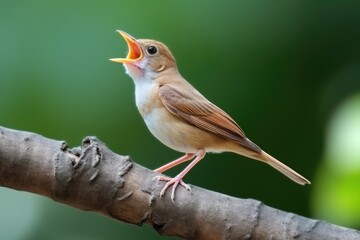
(135, 52)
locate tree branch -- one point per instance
(93, 178)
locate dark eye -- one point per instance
(152, 50)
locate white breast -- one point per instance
(143, 90)
(156, 118)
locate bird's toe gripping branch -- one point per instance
(200, 154)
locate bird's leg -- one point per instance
(178, 179)
(174, 163)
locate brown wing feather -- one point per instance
(195, 109)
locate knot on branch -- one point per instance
(89, 176)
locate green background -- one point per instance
(287, 71)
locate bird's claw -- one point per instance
(172, 181)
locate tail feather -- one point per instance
(296, 177)
(262, 156)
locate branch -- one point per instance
(93, 178)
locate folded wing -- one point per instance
(195, 109)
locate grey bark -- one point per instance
(93, 178)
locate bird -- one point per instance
(180, 117)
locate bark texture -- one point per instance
(93, 178)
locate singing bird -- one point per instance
(181, 117)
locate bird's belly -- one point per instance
(173, 132)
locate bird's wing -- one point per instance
(195, 109)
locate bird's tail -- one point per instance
(296, 177)
(262, 156)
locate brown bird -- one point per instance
(181, 117)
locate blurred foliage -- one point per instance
(279, 68)
(336, 189)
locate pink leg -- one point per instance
(178, 179)
(174, 163)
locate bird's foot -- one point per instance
(172, 181)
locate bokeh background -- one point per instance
(287, 71)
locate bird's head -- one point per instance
(145, 57)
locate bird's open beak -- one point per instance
(135, 52)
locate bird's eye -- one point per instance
(152, 50)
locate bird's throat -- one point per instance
(134, 71)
